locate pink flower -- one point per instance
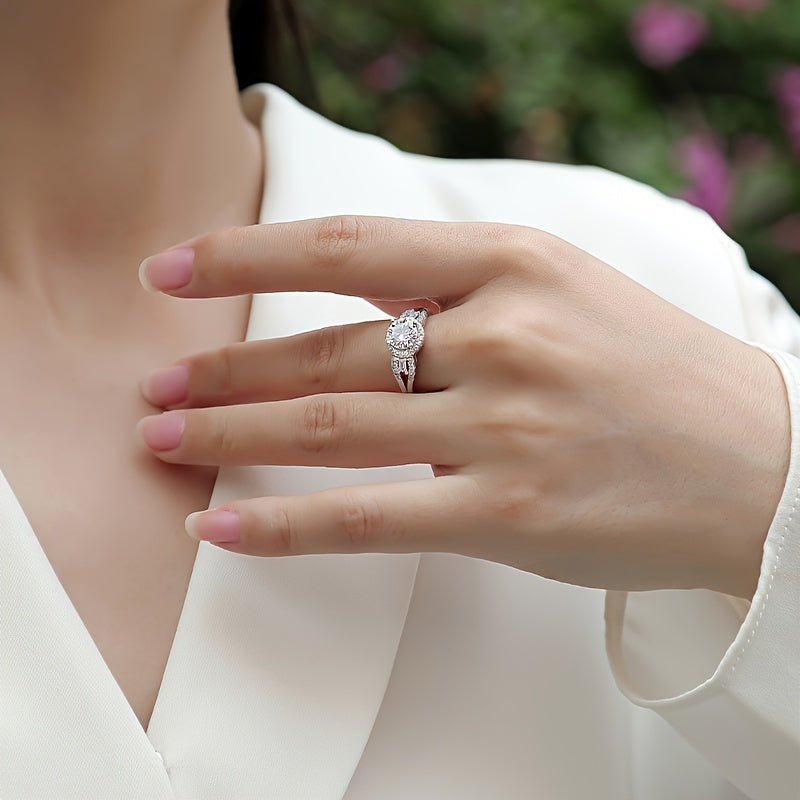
(703, 161)
(787, 91)
(663, 32)
(751, 151)
(786, 233)
(385, 73)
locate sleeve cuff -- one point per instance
(728, 685)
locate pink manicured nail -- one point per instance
(163, 432)
(219, 525)
(166, 271)
(167, 386)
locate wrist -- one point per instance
(760, 443)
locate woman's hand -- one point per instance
(579, 426)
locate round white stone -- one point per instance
(403, 334)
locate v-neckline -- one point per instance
(96, 653)
(70, 605)
(258, 120)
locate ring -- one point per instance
(404, 337)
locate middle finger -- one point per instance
(342, 358)
(370, 429)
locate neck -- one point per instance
(122, 133)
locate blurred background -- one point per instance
(700, 99)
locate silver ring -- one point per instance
(404, 338)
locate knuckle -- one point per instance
(515, 428)
(514, 503)
(519, 251)
(530, 348)
(497, 338)
(225, 378)
(334, 239)
(510, 247)
(283, 531)
(321, 357)
(555, 261)
(322, 425)
(519, 339)
(361, 520)
(225, 442)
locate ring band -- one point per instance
(404, 337)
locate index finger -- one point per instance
(354, 255)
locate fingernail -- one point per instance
(163, 432)
(219, 525)
(167, 386)
(166, 271)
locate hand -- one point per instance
(578, 425)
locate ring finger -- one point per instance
(343, 358)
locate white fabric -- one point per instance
(433, 676)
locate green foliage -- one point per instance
(562, 80)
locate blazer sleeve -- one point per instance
(725, 673)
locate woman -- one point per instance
(586, 433)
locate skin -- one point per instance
(111, 147)
(561, 444)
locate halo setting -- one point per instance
(404, 337)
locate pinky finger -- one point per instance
(428, 515)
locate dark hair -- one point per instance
(257, 28)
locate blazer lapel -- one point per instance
(279, 666)
(53, 678)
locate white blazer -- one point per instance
(433, 677)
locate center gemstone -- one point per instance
(403, 334)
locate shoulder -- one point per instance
(583, 204)
(579, 203)
(664, 243)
